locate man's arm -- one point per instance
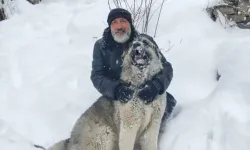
(158, 84)
(103, 84)
(165, 77)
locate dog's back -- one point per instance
(61, 145)
(95, 128)
(92, 130)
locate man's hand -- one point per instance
(123, 93)
(149, 91)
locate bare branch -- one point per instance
(120, 3)
(148, 10)
(140, 7)
(169, 46)
(114, 1)
(134, 6)
(155, 12)
(138, 14)
(109, 4)
(163, 1)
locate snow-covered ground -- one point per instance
(45, 63)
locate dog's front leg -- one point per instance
(129, 125)
(148, 140)
(127, 137)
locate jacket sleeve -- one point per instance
(165, 77)
(102, 83)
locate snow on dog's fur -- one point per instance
(111, 125)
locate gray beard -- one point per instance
(123, 38)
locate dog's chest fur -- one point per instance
(136, 112)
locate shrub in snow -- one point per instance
(232, 13)
(34, 1)
(6, 8)
(2, 15)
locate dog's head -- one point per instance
(142, 51)
(141, 61)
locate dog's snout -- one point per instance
(137, 52)
(135, 45)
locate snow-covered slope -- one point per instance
(45, 63)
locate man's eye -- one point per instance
(123, 21)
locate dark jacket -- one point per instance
(107, 61)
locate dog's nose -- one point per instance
(138, 50)
(135, 45)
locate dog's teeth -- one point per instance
(139, 49)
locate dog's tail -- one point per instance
(61, 145)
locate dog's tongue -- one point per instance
(140, 61)
(140, 51)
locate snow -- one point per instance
(45, 64)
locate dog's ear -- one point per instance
(158, 53)
(150, 39)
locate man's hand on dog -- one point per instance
(123, 93)
(149, 91)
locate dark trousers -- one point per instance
(171, 103)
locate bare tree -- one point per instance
(142, 12)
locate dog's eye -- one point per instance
(145, 43)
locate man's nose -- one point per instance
(118, 25)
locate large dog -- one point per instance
(112, 125)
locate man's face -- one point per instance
(120, 30)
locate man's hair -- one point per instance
(119, 13)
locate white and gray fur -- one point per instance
(111, 125)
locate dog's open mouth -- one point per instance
(140, 56)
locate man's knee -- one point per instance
(171, 102)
